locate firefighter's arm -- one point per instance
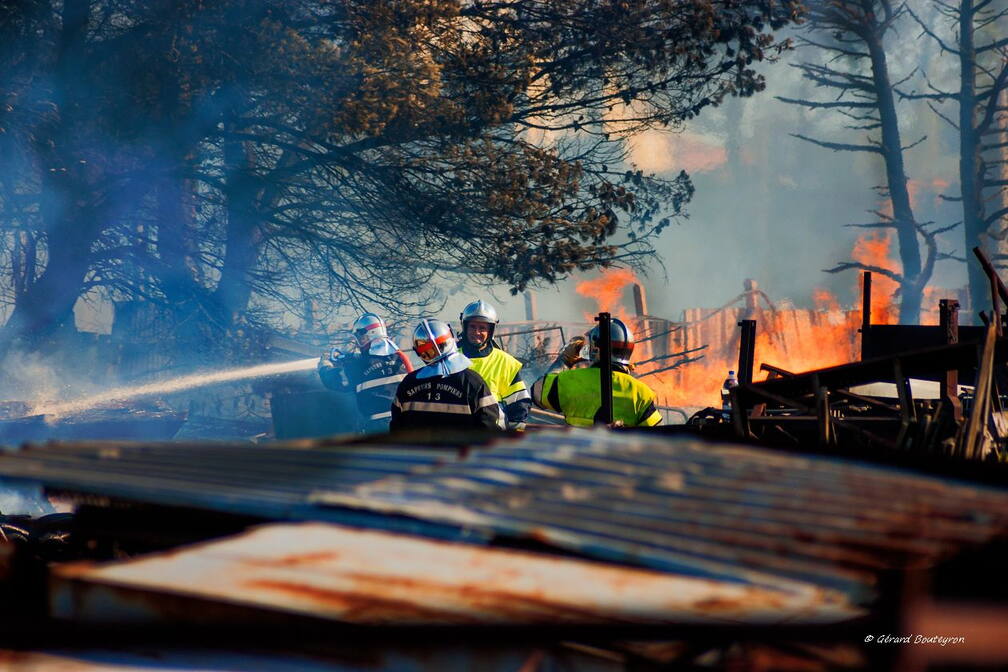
(487, 411)
(394, 422)
(545, 393)
(569, 355)
(649, 416)
(332, 371)
(517, 402)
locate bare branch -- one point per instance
(873, 225)
(816, 104)
(939, 230)
(864, 127)
(849, 265)
(998, 44)
(926, 30)
(995, 216)
(943, 117)
(805, 41)
(839, 147)
(996, 88)
(905, 79)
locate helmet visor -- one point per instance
(368, 333)
(430, 343)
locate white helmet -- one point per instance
(367, 328)
(432, 340)
(479, 311)
(620, 336)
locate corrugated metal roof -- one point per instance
(728, 512)
(271, 481)
(731, 513)
(376, 578)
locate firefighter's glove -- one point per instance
(571, 352)
(330, 359)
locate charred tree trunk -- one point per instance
(179, 271)
(46, 306)
(912, 286)
(969, 157)
(177, 242)
(855, 32)
(243, 233)
(24, 263)
(72, 205)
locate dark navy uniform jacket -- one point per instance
(460, 400)
(374, 378)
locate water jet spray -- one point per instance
(169, 386)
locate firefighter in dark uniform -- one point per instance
(373, 374)
(500, 370)
(577, 393)
(445, 393)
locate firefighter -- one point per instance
(373, 373)
(577, 392)
(500, 370)
(445, 393)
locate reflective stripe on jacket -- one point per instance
(577, 393)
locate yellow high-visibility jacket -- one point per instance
(502, 372)
(577, 393)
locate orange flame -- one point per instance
(791, 339)
(874, 250)
(607, 290)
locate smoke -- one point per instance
(776, 209)
(40, 377)
(662, 152)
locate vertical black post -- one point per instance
(605, 366)
(747, 351)
(948, 317)
(865, 314)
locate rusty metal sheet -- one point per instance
(727, 512)
(376, 578)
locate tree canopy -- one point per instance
(230, 160)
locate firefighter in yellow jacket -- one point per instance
(501, 371)
(577, 392)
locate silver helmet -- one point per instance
(622, 342)
(367, 328)
(432, 340)
(479, 311)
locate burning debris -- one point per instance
(834, 408)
